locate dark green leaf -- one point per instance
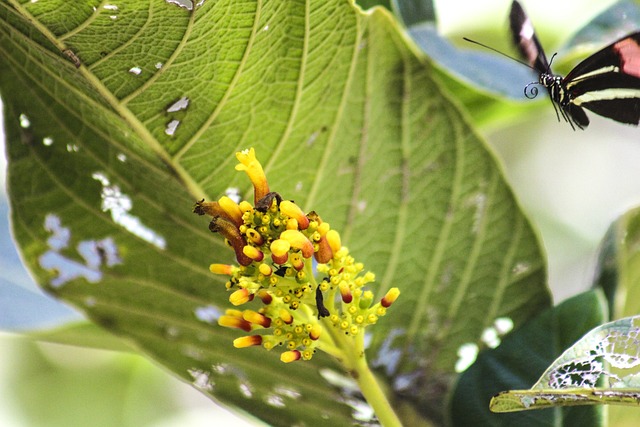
(619, 265)
(521, 359)
(413, 12)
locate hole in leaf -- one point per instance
(171, 127)
(187, 4)
(180, 104)
(24, 121)
(94, 253)
(119, 205)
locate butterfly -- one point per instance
(607, 82)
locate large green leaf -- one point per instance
(106, 160)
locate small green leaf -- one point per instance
(601, 368)
(519, 361)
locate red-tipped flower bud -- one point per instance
(234, 322)
(225, 269)
(290, 356)
(253, 253)
(247, 341)
(345, 292)
(240, 297)
(298, 240)
(292, 210)
(390, 297)
(256, 318)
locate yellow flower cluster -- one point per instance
(275, 244)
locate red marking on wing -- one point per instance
(629, 52)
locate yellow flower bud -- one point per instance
(390, 297)
(290, 356)
(247, 341)
(240, 297)
(292, 210)
(221, 269)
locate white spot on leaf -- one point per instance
(520, 268)
(201, 379)
(90, 251)
(193, 352)
(490, 337)
(119, 205)
(313, 138)
(60, 235)
(133, 70)
(172, 332)
(479, 202)
(245, 389)
(171, 127)
(24, 121)
(180, 104)
(503, 325)
(187, 4)
(287, 392)
(208, 314)
(275, 401)
(467, 354)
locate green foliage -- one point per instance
(347, 120)
(619, 265)
(521, 359)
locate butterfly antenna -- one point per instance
(551, 62)
(501, 53)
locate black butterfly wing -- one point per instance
(524, 37)
(608, 82)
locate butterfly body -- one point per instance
(607, 82)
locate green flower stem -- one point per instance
(355, 362)
(374, 394)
